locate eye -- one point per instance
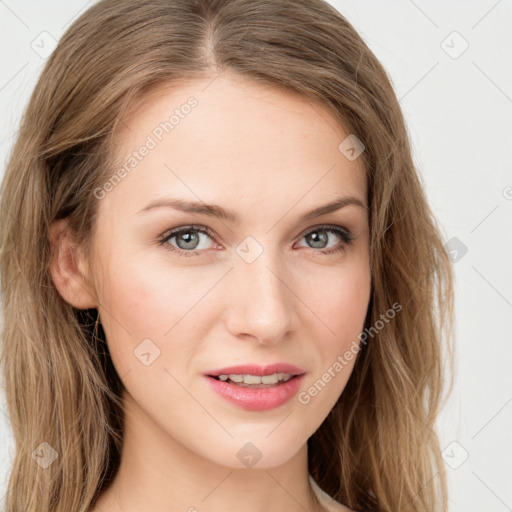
(319, 238)
(187, 239)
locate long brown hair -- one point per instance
(377, 449)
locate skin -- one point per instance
(270, 156)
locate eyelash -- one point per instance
(346, 236)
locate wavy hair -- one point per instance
(377, 449)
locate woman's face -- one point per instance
(270, 285)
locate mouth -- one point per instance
(257, 388)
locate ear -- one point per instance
(69, 269)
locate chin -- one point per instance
(257, 451)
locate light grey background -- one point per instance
(458, 106)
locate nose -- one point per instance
(260, 301)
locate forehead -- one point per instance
(229, 137)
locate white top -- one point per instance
(329, 503)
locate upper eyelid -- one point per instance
(194, 227)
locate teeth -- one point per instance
(271, 379)
(256, 379)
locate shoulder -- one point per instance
(334, 506)
(330, 504)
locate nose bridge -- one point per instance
(261, 304)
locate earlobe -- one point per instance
(68, 268)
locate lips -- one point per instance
(256, 397)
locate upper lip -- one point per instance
(252, 369)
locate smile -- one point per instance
(256, 396)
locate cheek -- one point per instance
(150, 297)
(154, 302)
(342, 302)
(136, 299)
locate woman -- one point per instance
(223, 286)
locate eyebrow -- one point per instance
(218, 212)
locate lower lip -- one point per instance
(257, 399)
